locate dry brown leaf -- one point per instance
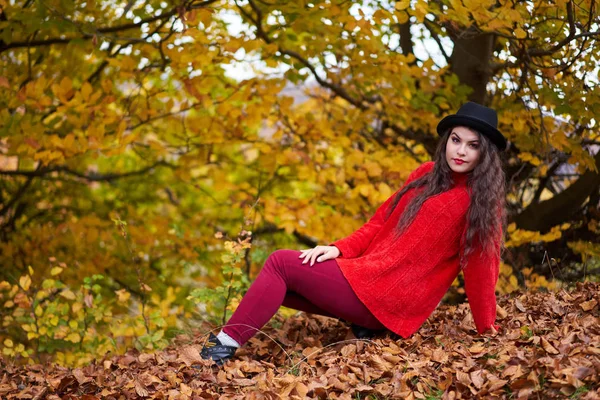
(477, 378)
(588, 305)
(463, 378)
(185, 389)
(343, 386)
(189, 355)
(174, 379)
(80, 376)
(106, 392)
(501, 313)
(355, 368)
(566, 296)
(451, 395)
(148, 379)
(445, 382)
(140, 389)
(548, 347)
(125, 361)
(243, 382)
(88, 299)
(301, 390)
(460, 350)
(583, 372)
(521, 383)
(348, 350)
(252, 367)
(311, 352)
(393, 348)
(391, 358)
(557, 308)
(142, 358)
(525, 393)
(384, 389)
(41, 393)
(533, 378)
(405, 368)
(496, 384)
(380, 363)
(439, 355)
(519, 305)
(477, 348)
(409, 375)
(366, 375)
(513, 371)
(408, 395)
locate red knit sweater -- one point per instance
(402, 282)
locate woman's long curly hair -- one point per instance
(486, 216)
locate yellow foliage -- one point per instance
(123, 295)
(25, 282)
(520, 33)
(168, 140)
(73, 337)
(534, 160)
(585, 248)
(402, 4)
(68, 294)
(507, 282)
(517, 237)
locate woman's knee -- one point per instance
(278, 260)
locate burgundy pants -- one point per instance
(284, 280)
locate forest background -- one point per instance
(144, 179)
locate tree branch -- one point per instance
(100, 31)
(16, 197)
(93, 177)
(338, 90)
(572, 35)
(546, 214)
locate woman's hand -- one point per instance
(325, 253)
(492, 330)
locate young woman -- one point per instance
(394, 270)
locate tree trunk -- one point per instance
(406, 43)
(543, 216)
(470, 61)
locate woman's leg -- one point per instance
(297, 302)
(322, 285)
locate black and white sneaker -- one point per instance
(213, 348)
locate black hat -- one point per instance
(475, 116)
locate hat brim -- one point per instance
(481, 126)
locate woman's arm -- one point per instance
(355, 244)
(481, 276)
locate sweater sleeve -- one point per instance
(354, 245)
(481, 276)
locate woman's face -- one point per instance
(463, 144)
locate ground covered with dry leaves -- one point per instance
(549, 347)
